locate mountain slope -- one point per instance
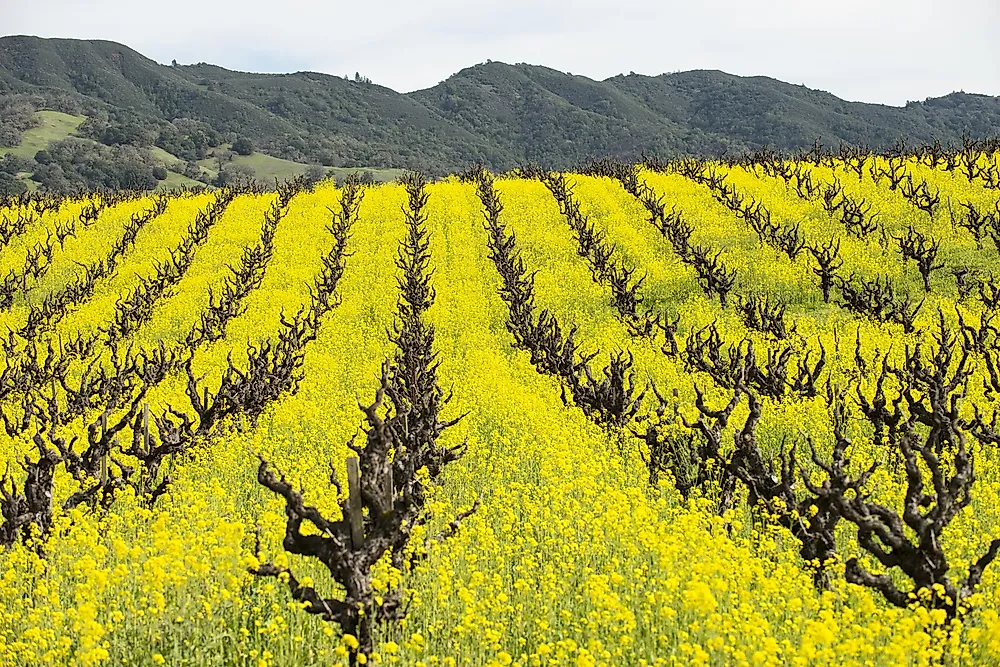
(105, 74)
(536, 113)
(557, 117)
(499, 113)
(759, 110)
(366, 123)
(303, 116)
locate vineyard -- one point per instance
(734, 412)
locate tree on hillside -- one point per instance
(12, 164)
(315, 173)
(17, 114)
(10, 185)
(235, 174)
(192, 170)
(242, 146)
(222, 158)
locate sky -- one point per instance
(881, 51)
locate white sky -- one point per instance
(886, 51)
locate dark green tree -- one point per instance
(242, 146)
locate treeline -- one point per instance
(189, 140)
(16, 116)
(74, 165)
(117, 158)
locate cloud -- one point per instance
(886, 51)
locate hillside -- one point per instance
(498, 113)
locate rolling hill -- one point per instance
(494, 112)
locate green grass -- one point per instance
(174, 166)
(25, 177)
(168, 160)
(268, 168)
(175, 180)
(265, 167)
(380, 175)
(55, 126)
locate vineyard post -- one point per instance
(354, 501)
(145, 427)
(104, 458)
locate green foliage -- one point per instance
(46, 126)
(188, 139)
(16, 117)
(10, 185)
(13, 164)
(502, 115)
(315, 173)
(234, 174)
(192, 170)
(242, 146)
(77, 165)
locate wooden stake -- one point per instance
(354, 502)
(145, 427)
(104, 459)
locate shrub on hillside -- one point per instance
(242, 146)
(10, 185)
(234, 174)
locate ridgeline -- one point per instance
(134, 119)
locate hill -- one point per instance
(495, 112)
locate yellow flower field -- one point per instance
(566, 553)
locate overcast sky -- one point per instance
(886, 51)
